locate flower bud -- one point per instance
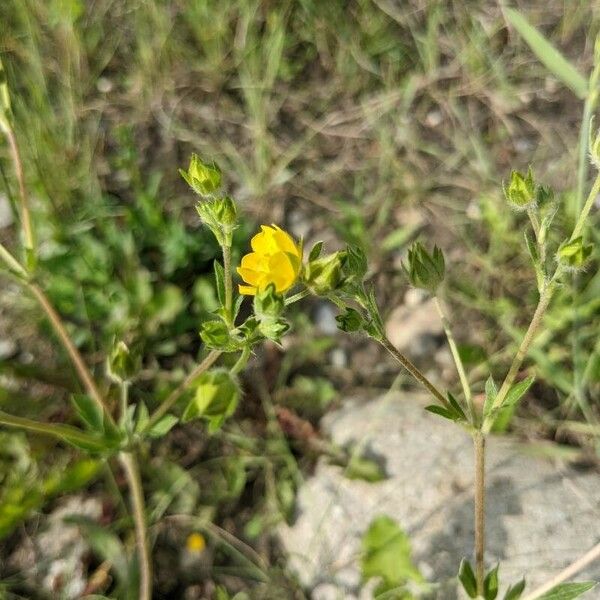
(324, 275)
(574, 253)
(520, 192)
(225, 210)
(203, 178)
(122, 365)
(424, 270)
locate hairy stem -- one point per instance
(528, 338)
(132, 474)
(12, 263)
(170, 401)
(479, 446)
(63, 432)
(228, 280)
(413, 370)
(587, 207)
(457, 360)
(72, 351)
(23, 197)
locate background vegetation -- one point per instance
(368, 122)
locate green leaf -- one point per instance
(490, 584)
(460, 413)
(442, 411)
(491, 391)
(216, 398)
(514, 591)
(517, 391)
(163, 426)
(551, 58)
(220, 281)
(568, 591)
(215, 334)
(89, 412)
(467, 578)
(386, 553)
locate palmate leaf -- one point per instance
(548, 55)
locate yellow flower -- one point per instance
(276, 259)
(195, 543)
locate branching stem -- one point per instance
(164, 408)
(413, 370)
(457, 360)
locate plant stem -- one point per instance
(124, 389)
(585, 211)
(63, 432)
(18, 165)
(413, 370)
(574, 568)
(241, 361)
(226, 247)
(479, 446)
(457, 360)
(295, 297)
(12, 263)
(545, 297)
(73, 352)
(164, 408)
(132, 474)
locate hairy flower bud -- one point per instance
(574, 253)
(203, 178)
(520, 192)
(424, 270)
(323, 275)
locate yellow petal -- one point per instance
(255, 261)
(250, 276)
(263, 242)
(281, 271)
(284, 242)
(247, 290)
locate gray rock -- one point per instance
(541, 514)
(415, 326)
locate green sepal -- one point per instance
(315, 251)
(350, 320)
